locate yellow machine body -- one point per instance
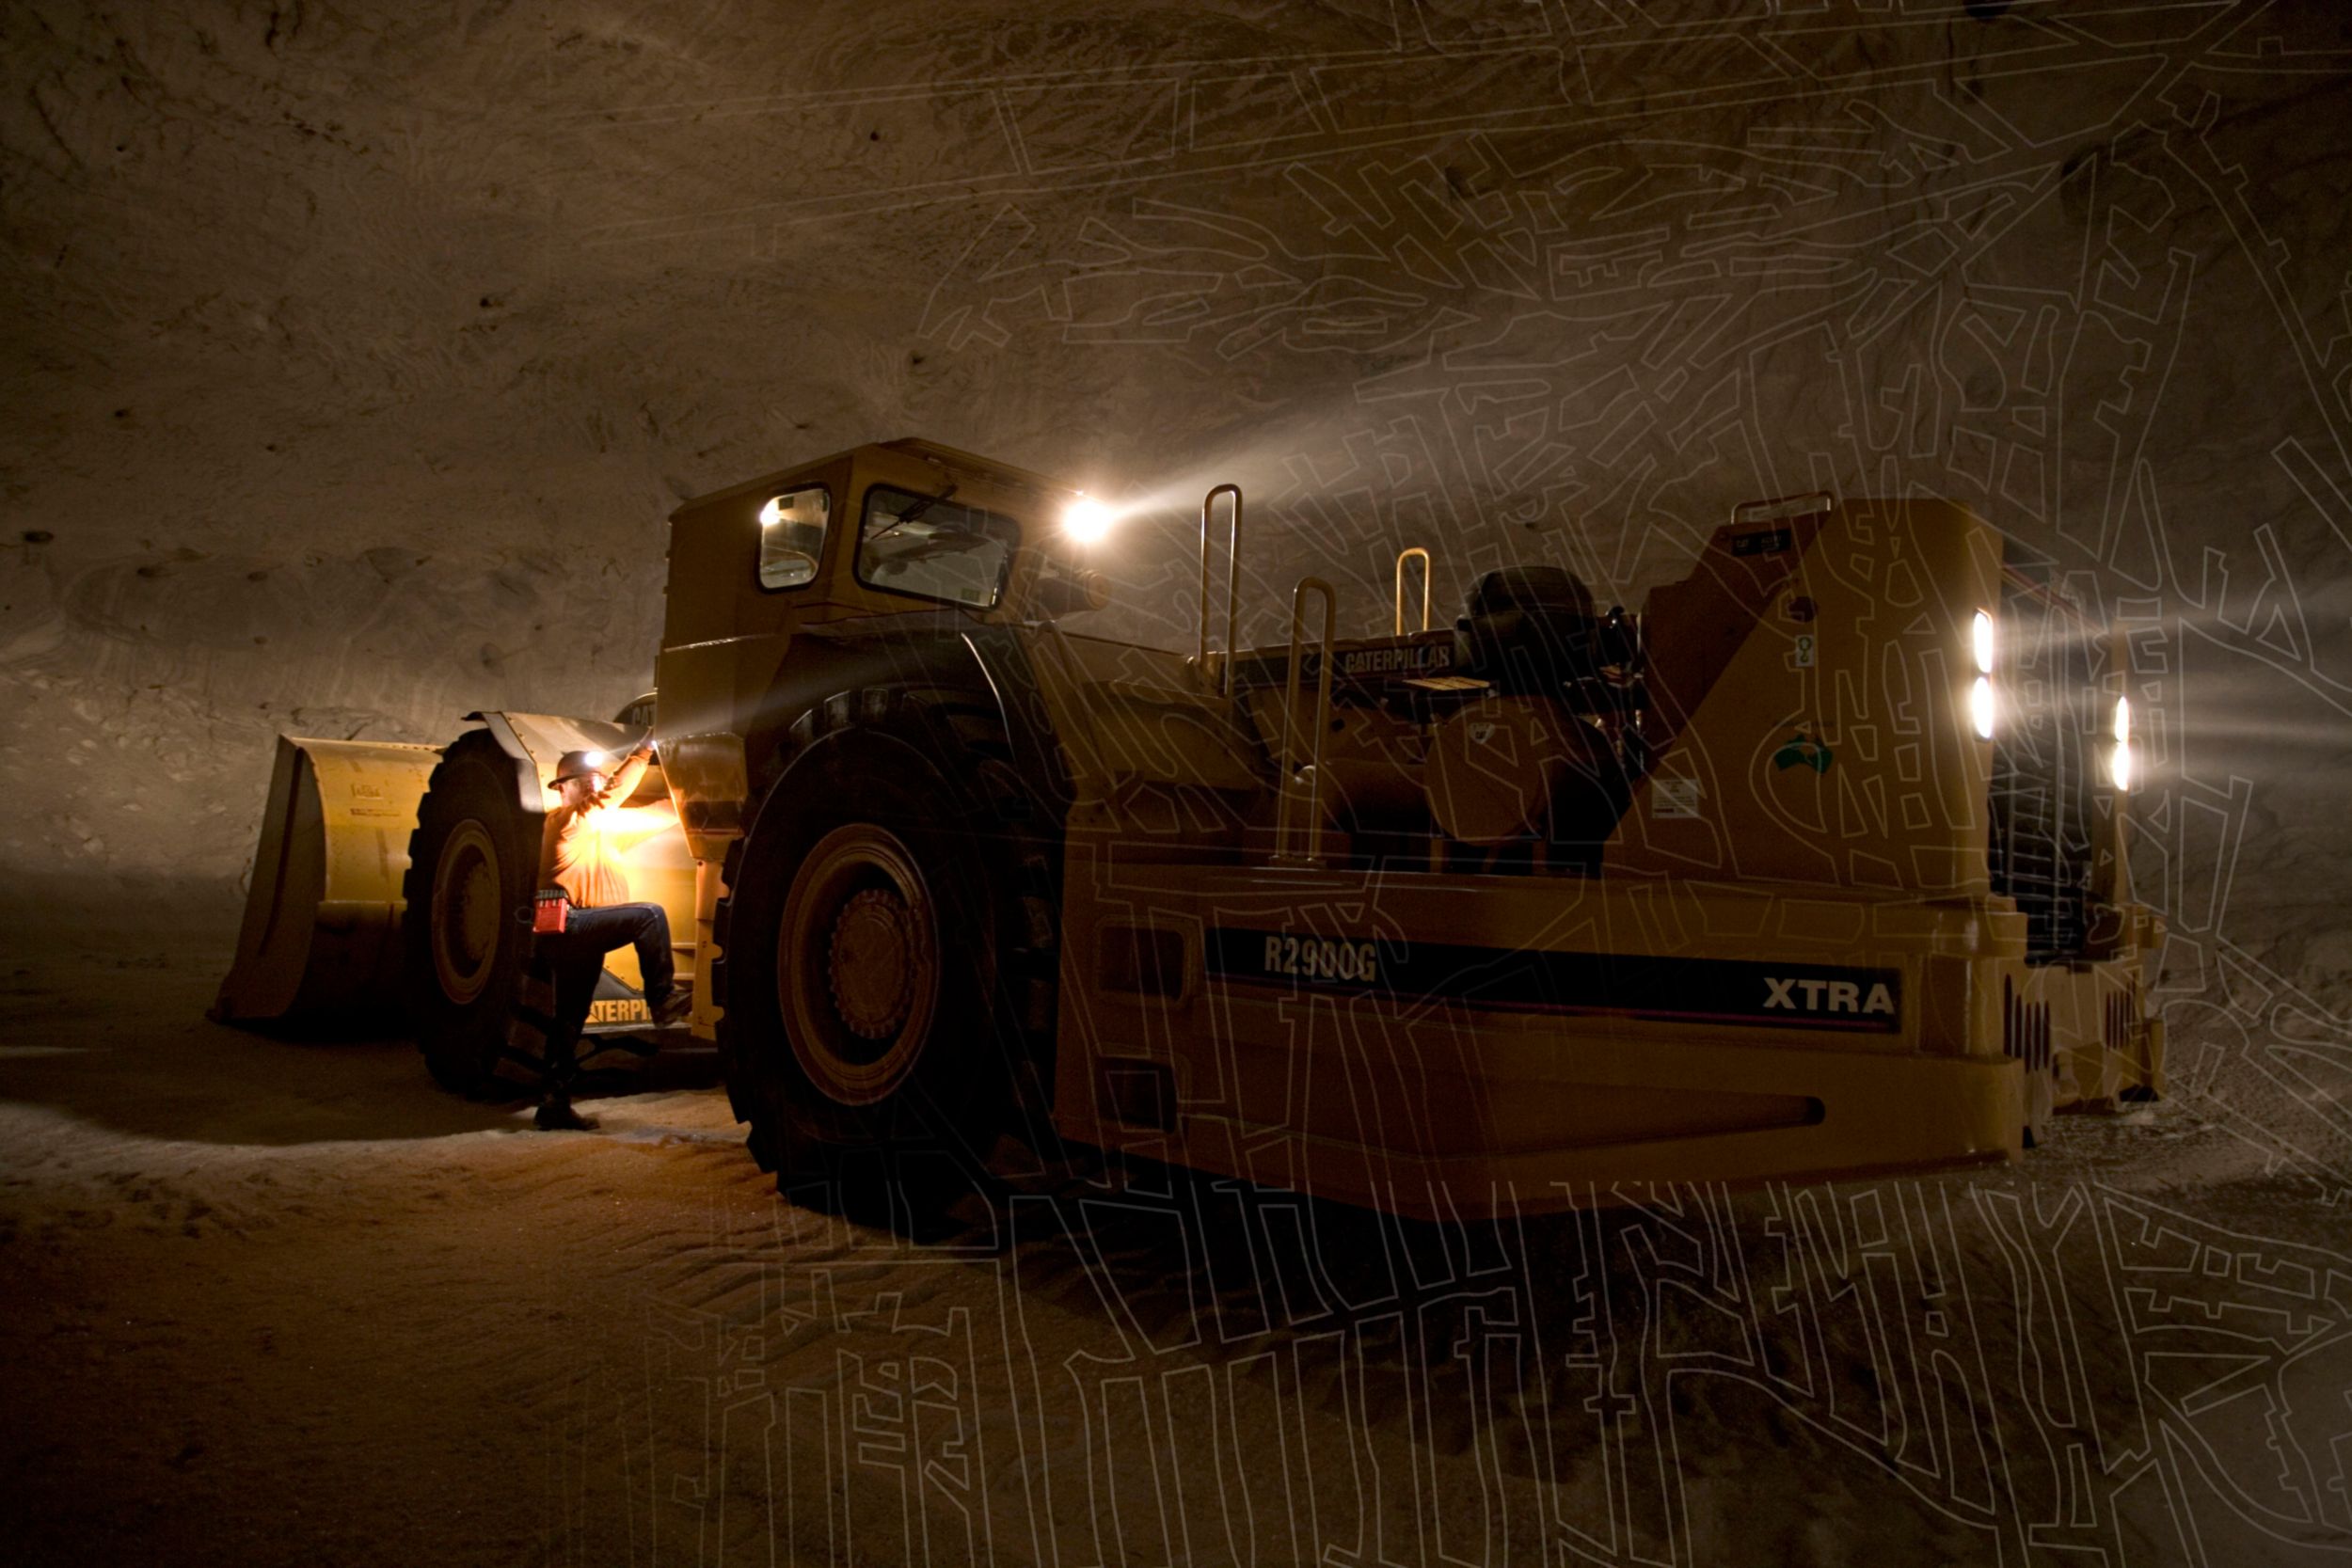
(1439, 1045)
(1370, 943)
(1789, 962)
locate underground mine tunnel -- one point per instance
(1339, 781)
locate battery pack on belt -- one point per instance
(550, 911)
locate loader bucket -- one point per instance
(321, 918)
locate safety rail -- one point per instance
(1401, 557)
(1232, 584)
(1283, 809)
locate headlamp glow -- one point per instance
(1981, 635)
(1980, 706)
(2120, 759)
(1085, 519)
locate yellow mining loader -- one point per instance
(1816, 865)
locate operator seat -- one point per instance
(1530, 634)
(1530, 630)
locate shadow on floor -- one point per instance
(121, 1041)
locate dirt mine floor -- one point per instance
(284, 1302)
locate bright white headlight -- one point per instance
(771, 513)
(1981, 635)
(1085, 519)
(1980, 706)
(2120, 760)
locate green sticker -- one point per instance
(1802, 750)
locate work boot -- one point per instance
(557, 1115)
(669, 1009)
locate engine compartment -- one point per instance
(1516, 738)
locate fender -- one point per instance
(1037, 754)
(981, 662)
(533, 742)
(526, 791)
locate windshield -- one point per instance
(935, 547)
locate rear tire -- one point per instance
(472, 861)
(881, 966)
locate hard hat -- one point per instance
(579, 765)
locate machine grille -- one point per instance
(2043, 756)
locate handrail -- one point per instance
(1233, 584)
(2050, 598)
(1787, 506)
(1290, 720)
(1401, 556)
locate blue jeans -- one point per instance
(577, 957)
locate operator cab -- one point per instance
(898, 527)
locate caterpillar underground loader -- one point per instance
(1814, 866)
(1817, 865)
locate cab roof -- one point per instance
(950, 458)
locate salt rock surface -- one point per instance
(357, 353)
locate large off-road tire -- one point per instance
(886, 960)
(472, 861)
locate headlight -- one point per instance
(1980, 706)
(1085, 519)
(2120, 759)
(1981, 635)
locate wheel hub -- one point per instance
(465, 912)
(476, 925)
(857, 964)
(871, 969)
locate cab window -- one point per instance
(793, 536)
(935, 547)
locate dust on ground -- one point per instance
(281, 1301)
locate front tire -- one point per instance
(471, 862)
(875, 951)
